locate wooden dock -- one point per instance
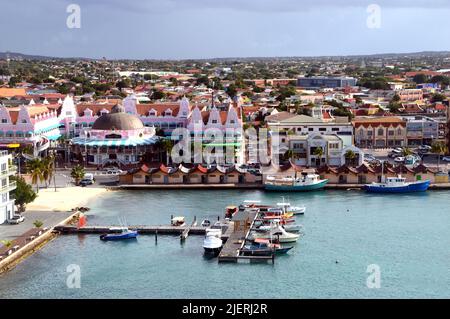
(160, 230)
(236, 236)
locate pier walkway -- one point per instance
(159, 229)
(236, 236)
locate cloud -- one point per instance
(161, 6)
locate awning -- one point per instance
(53, 137)
(118, 142)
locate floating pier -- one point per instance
(160, 230)
(236, 236)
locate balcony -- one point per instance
(12, 186)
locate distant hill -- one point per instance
(22, 56)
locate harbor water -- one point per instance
(345, 234)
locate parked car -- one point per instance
(395, 152)
(16, 219)
(85, 182)
(113, 170)
(446, 158)
(369, 158)
(399, 159)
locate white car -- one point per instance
(399, 159)
(16, 219)
(446, 158)
(114, 171)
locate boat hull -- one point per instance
(295, 188)
(410, 188)
(130, 235)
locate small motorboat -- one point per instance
(120, 233)
(277, 234)
(230, 211)
(263, 247)
(212, 244)
(206, 223)
(178, 221)
(287, 208)
(293, 228)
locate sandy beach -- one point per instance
(64, 199)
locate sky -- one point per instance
(184, 29)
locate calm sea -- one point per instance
(407, 237)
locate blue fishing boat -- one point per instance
(120, 233)
(306, 182)
(397, 185)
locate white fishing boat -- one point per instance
(277, 233)
(178, 221)
(288, 208)
(212, 244)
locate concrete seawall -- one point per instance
(438, 186)
(23, 252)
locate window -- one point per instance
(369, 133)
(322, 129)
(214, 121)
(335, 129)
(333, 146)
(391, 132)
(310, 129)
(232, 121)
(4, 121)
(380, 132)
(24, 121)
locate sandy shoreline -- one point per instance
(64, 199)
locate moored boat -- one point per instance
(397, 185)
(307, 182)
(277, 234)
(288, 208)
(120, 234)
(212, 244)
(178, 221)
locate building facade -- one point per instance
(317, 82)
(6, 171)
(380, 132)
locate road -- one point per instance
(430, 160)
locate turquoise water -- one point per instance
(344, 232)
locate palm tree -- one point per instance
(35, 169)
(77, 174)
(406, 151)
(48, 169)
(439, 148)
(167, 146)
(349, 157)
(319, 153)
(6, 243)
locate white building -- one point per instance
(6, 171)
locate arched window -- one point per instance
(380, 131)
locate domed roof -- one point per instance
(118, 120)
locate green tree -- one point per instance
(439, 148)
(6, 243)
(38, 224)
(23, 194)
(420, 78)
(35, 169)
(77, 174)
(48, 169)
(406, 151)
(350, 157)
(319, 153)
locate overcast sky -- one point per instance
(173, 29)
